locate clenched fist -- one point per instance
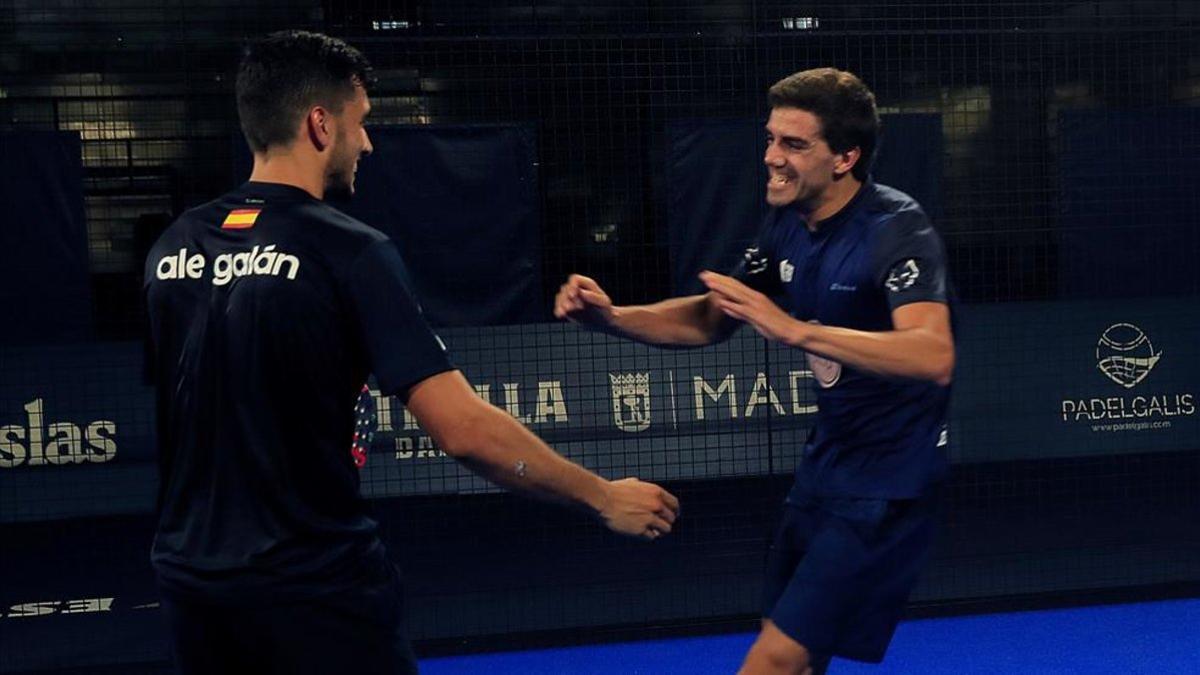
(582, 301)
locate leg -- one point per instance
(363, 628)
(205, 638)
(323, 638)
(775, 653)
(848, 588)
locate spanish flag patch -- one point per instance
(240, 219)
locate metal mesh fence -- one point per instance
(1064, 156)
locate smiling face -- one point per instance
(350, 144)
(800, 164)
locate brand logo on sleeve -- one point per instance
(903, 276)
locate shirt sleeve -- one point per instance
(758, 267)
(401, 347)
(910, 261)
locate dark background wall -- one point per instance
(1066, 170)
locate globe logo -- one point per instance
(1124, 354)
(825, 371)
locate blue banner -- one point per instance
(1034, 381)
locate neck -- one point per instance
(830, 201)
(287, 169)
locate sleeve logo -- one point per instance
(903, 276)
(756, 262)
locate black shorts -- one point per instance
(358, 632)
(841, 569)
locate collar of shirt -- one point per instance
(273, 191)
(825, 227)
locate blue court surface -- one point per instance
(1156, 637)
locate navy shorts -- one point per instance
(360, 631)
(840, 571)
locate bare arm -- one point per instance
(490, 442)
(691, 321)
(919, 346)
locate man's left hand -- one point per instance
(739, 301)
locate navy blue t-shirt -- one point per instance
(267, 311)
(874, 437)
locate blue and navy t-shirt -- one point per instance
(874, 437)
(267, 311)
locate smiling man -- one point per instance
(267, 310)
(852, 273)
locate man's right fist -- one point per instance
(638, 509)
(582, 301)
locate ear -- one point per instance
(319, 127)
(846, 161)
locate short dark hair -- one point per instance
(284, 75)
(845, 106)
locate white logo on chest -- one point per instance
(825, 371)
(786, 271)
